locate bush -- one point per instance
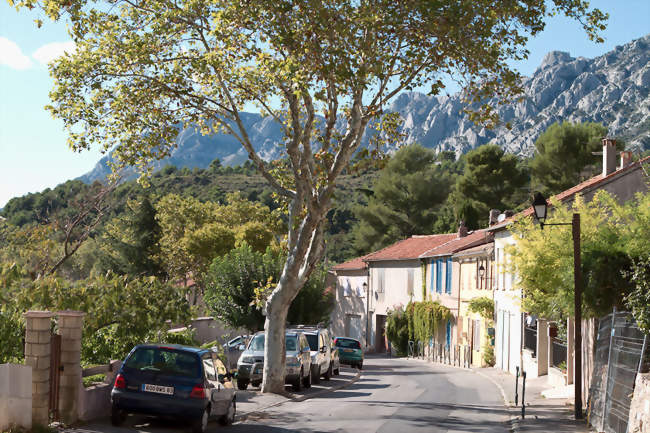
(488, 355)
(397, 330)
(92, 380)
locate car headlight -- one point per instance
(247, 360)
(292, 361)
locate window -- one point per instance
(409, 282)
(208, 367)
(346, 288)
(448, 282)
(380, 280)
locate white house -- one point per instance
(349, 317)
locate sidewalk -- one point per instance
(542, 414)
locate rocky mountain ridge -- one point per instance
(613, 89)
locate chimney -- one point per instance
(609, 156)
(508, 213)
(626, 158)
(462, 230)
(494, 215)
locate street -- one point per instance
(391, 395)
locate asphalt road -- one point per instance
(392, 395)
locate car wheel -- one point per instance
(118, 416)
(337, 371)
(315, 374)
(242, 385)
(328, 373)
(256, 383)
(306, 381)
(297, 384)
(229, 417)
(360, 365)
(201, 424)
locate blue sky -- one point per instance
(33, 151)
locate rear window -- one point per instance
(257, 343)
(313, 341)
(167, 361)
(347, 344)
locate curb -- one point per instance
(299, 398)
(514, 420)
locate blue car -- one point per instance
(174, 380)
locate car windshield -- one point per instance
(313, 341)
(165, 360)
(257, 343)
(347, 344)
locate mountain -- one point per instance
(612, 89)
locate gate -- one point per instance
(55, 376)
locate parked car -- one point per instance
(233, 349)
(174, 380)
(324, 361)
(350, 351)
(250, 366)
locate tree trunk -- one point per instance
(274, 348)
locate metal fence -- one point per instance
(530, 339)
(559, 353)
(620, 350)
(458, 355)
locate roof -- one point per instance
(477, 237)
(409, 249)
(475, 251)
(585, 186)
(356, 263)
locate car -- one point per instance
(174, 380)
(250, 366)
(350, 351)
(233, 349)
(324, 361)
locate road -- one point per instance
(391, 395)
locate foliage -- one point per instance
(406, 198)
(92, 380)
(492, 179)
(564, 150)
(488, 355)
(483, 306)
(611, 235)
(397, 329)
(185, 337)
(638, 300)
(234, 279)
(424, 319)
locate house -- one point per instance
(349, 316)
(522, 341)
(395, 278)
(476, 274)
(443, 280)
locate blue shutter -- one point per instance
(431, 278)
(448, 334)
(448, 287)
(439, 276)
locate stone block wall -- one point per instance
(38, 326)
(639, 421)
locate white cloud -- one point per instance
(51, 51)
(11, 55)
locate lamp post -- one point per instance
(540, 206)
(481, 273)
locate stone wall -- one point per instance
(640, 408)
(15, 396)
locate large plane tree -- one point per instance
(323, 70)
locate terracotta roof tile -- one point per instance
(477, 237)
(411, 248)
(356, 263)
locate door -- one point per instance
(380, 341)
(353, 326)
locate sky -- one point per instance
(34, 154)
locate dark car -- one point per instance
(350, 351)
(174, 380)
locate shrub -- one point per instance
(397, 329)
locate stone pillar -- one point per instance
(542, 347)
(550, 350)
(37, 355)
(70, 325)
(570, 347)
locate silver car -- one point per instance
(250, 366)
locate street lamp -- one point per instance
(540, 207)
(481, 273)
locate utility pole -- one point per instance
(577, 299)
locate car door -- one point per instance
(212, 383)
(226, 390)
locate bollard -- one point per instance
(517, 386)
(523, 395)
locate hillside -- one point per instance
(613, 89)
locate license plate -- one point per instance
(348, 350)
(169, 390)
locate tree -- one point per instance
(492, 179)
(612, 236)
(322, 70)
(563, 151)
(406, 199)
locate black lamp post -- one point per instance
(540, 207)
(481, 273)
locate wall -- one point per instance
(15, 396)
(95, 401)
(350, 302)
(640, 408)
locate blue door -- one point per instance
(448, 333)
